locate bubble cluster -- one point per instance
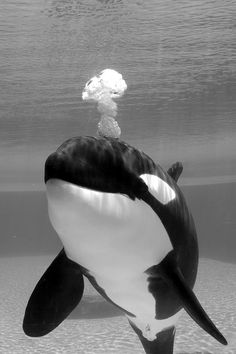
(103, 88)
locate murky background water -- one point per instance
(178, 58)
(179, 61)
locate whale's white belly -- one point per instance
(112, 236)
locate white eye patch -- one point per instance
(159, 188)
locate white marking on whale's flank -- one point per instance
(159, 188)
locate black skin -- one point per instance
(57, 293)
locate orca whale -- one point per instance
(125, 225)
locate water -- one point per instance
(179, 61)
(178, 58)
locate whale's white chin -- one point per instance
(109, 225)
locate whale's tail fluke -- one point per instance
(57, 293)
(164, 344)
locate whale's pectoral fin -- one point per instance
(169, 271)
(163, 344)
(57, 293)
(175, 171)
